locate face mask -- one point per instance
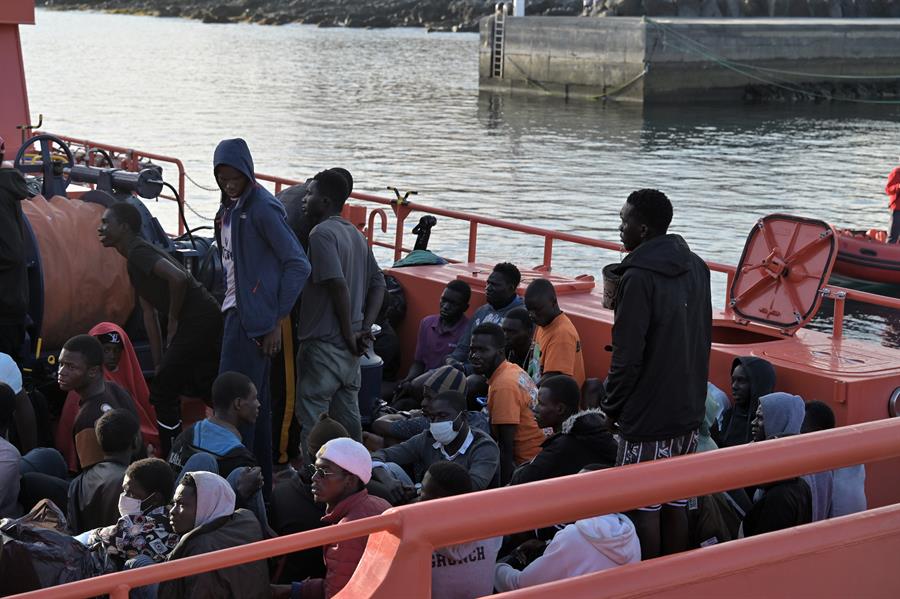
(129, 506)
(443, 432)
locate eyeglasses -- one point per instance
(319, 472)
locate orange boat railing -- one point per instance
(402, 210)
(397, 562)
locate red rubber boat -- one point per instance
(866, 255)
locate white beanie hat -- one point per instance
(350, 455)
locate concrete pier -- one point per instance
(665, 60)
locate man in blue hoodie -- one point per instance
(265, 270)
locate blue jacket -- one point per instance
(270, 267)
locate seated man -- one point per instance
(557, 346)
(293, 508)
(203, 514)
(785, 503)
(343, 468)
(458, 571)
(143, 528)
(448, 438)
(235, 404)
(589, 545)
(94, 494)
(405, 425)
(439, 333)
(519, 331)
(751, 378)
(511, 397)
(500, 293)
(81, 370)
(848, 494)
(579, 438)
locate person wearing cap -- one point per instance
(203, 514)
(892, 189)
(13, 260)
(189, 355)
(394, 428)
(342, 470)
(448, 438)
(120, 366)
(294, 509)
(338, 307)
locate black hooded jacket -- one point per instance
(736, 420)
(583, 439)
(13, 267)
(661, 340)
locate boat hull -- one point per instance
(866, 257)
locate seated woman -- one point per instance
(203, 514)
(121, 366)
(143, 528)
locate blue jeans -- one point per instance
(241, 353)
(204, 462)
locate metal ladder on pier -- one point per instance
(500, 14)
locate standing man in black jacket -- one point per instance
(13, 268)
(660, 356)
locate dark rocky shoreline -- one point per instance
(435, 15)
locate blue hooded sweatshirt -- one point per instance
(270, 267)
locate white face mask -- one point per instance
(443, 432)
(129, 506)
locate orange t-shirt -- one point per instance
(558, 347)
(511, 396)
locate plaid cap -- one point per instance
(446, 378)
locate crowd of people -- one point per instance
(498, 398)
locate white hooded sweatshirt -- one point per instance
(588, 546)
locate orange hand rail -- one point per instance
(676, 573)
(397, 562)
(839, 294)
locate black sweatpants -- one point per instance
(189, 366)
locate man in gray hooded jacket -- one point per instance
(783, 503)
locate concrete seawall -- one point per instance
(677, 60)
